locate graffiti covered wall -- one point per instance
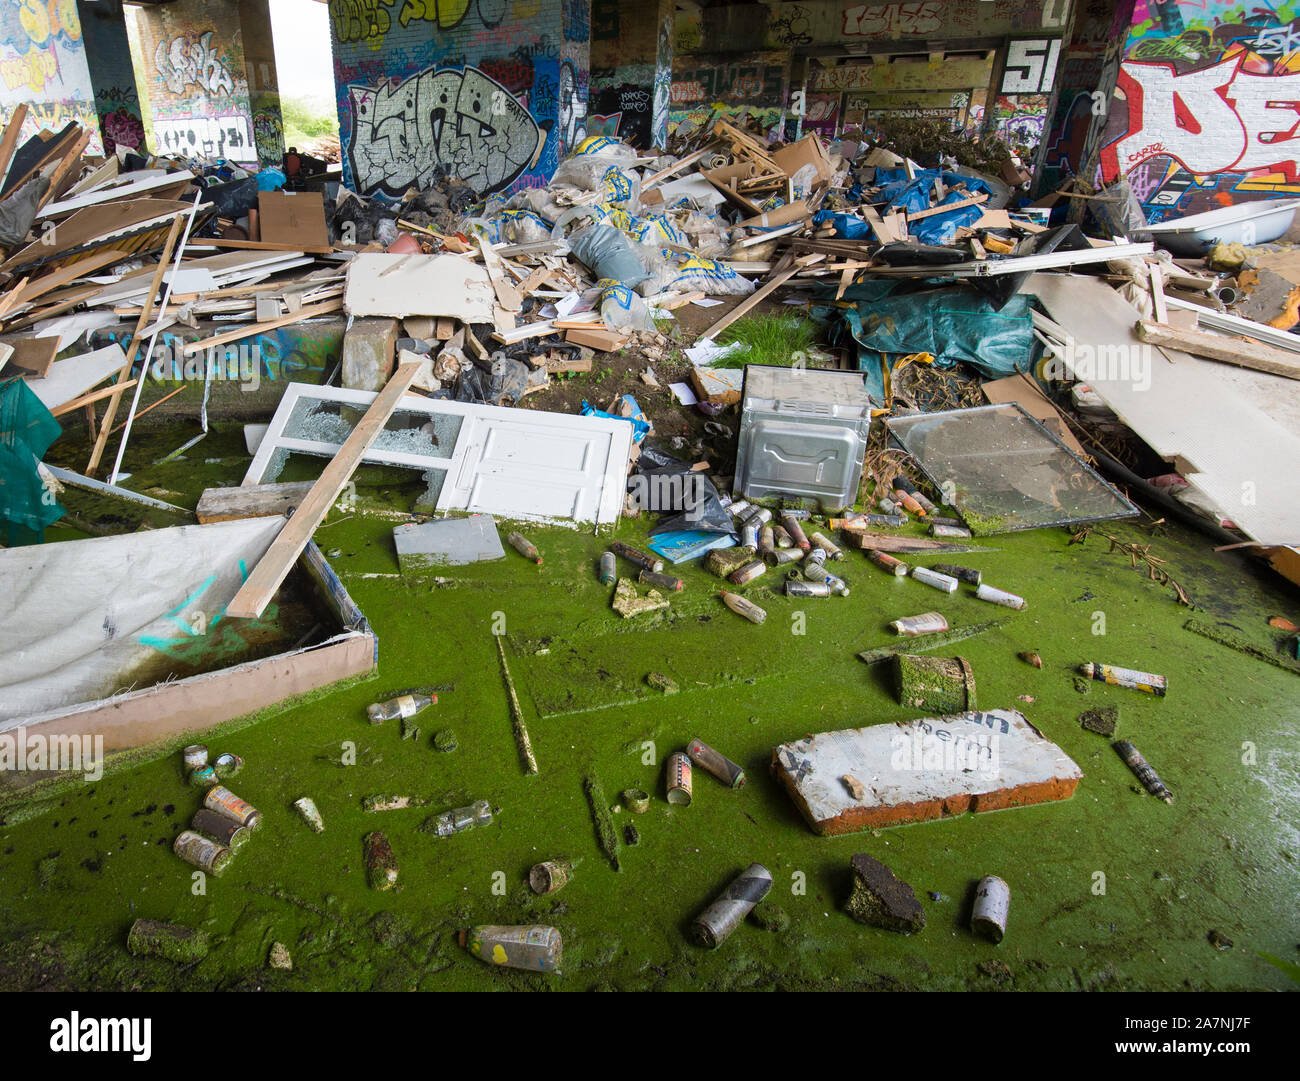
(195, 79)
(1206, 106)
(631, 70)
(43, 63)
(492, 91)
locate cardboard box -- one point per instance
(794, 157)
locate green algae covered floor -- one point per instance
(1110, 890)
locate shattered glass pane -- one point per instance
(1003, 471)
(409, 433)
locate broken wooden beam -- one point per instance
(1244, 354)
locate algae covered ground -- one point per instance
(1110, 890)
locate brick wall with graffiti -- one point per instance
(492, 91)
(1206, 106)
(117, 100)
(198, 90)
(43, 64)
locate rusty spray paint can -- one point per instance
(306, 808)
(886, 562)
(833, 550)
(381, 863)
(740, 508)
(796, 588)
(524, 547)
(887, 505)
(663, 581)
(784, 555)
(194, 757)
(636, 556)
(766, 542)
(709, 760)
(992, 904)
(678, 783)
(200, 852)
(792, 526)
(1147, 682)
(815, 571)
(204, 777)
(782, 538)
(969, 575)
(549, 876)
(534, 947)
(1142, 770)
(925, 623)
(951, 532)
(743, 607)
(712, 926)
(223, 830)
(999, 596)
(608, 568)
(934, 578)
(747, 573)
(225, 802)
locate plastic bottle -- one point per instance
(406, 705)
(478, 813)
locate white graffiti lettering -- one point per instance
(189, 61)
(402, 133)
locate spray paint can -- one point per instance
(524, 547)
(663, 581)
(712, 926)
(908, 503)
(747, 573)
(1147, 682)
(228, 765)
(998, 596)
(549, 876)
(816, 555)
(925, 623)
(782, 538)
(934, 578)
(636, 556)
(722, 767)
(761, 515)
(817, 572)
(306, 808)
(225, 802)
(678, 788)
(636, 800)
(833, 550)
(952, 532)
(533, 947)
(886, 562)
(887, 505)
(381, 863)
(766, 541)
(740, 508)
(204, 777)
(795, 530)
(608, 568)
(936, 520)
(905, 485)
(969, 575)
(1142, 770)
(795, 588)
(223, 830)
(743, 607)
(195, 757)
(200, 852)
(749, 534)
(784, 555)
(992, 904)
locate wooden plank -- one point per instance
(154, 283)
(1238, 351)
(1158, 293)
(61, 276)
(677, 167)
(35, 356)
(255, 245)
(507, 295)
(974, 200)
(251, 501)
(753, 298)
(596, 338)
(90, 399)
(240, 333)
(260, 586)
(10, 141)
(60, 174)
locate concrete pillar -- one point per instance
(263, 86)
(43, 65)
(632, 69)
(492, 91)
(112, 76)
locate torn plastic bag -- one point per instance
(905, 253)
(846, 225)
(667, 485)
(506, 379)
(639, 427)
(234, 199)
(620, 308)
(27, 428)
(18, 211)
(607, 253)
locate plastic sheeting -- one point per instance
(81, 620)
(26, 431)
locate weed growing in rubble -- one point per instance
(770, 339)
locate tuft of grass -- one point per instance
(771, 339)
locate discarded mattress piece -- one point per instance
(136, 610)
(448, 542)
(924, 769)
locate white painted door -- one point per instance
(519, 464)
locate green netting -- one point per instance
(27, 429)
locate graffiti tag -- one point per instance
(188, 60)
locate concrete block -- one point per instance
(924, 769)
(881, 899)
(369, 350)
